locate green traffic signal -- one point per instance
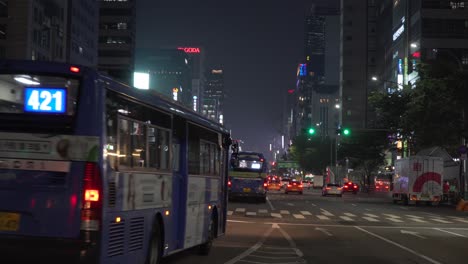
(346, 132)
(311, 131)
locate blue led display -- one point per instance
(45, 100)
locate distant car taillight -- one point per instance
(346, 186)
(289, 185)
(229, 183)
(328, 188)
(91, 211)
(300, 186)
(265, 184)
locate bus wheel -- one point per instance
(155, 249)
(204, 249)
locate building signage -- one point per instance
(398, 32)
(189, 49)
(302, 69)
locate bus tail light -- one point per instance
(91, 211)
(265, 184)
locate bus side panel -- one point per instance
(196, 211)
(139, 197)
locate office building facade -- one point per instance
(214, 95)
(117, 29)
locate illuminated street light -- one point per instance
(337, 106)
(374, 78)
(414, 45)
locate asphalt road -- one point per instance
(358, 228)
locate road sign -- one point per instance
(287, 165)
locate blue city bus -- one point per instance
(247, 176)
(95, 171)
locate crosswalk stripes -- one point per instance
(349, 214)
(371, 219)
(441, 221)
(396, 220)
(276, 215)
(299, 216)
(325, 215)
(371, 215)
(346, 218)
(419, 220)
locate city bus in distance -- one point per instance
(247, 176)
(95, 171)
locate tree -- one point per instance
(364, 150)
(311, 152)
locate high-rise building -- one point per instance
(170, 73)
(317, 82)
(49, 30)
(82, 26)
(423, 31)
(358, 60)
(117, 38)
(214, 95)
(197, 62)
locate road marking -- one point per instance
(265, 257)
(290, 204)
(370, 219)
(240, 210)
(452, 233)
(284, 212)
(325, 212)
(291, 243)
(299, 216)
(251, 249)
(251, 213)
(238, 221)
(306, 213)
(404, 208)
(372, 215)
(349, 214)
(269, 203)
(396, 220)
(392, 216)
(441, 221)
(229, 212)
(322, 217)
(461, 220)
(417, 220)
(370, 210)
(400, 246)
(262, 211)
(414, 216)
(346, 218)
(275, 215)
(353, 205)
(413, 233)
(323, 230)
(313, 204)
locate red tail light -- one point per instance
(355, 186)
(300, 185)
(229, 183)
(346, 186)
(91, 211)
(74, 69)
(328, 188)
(289, 185)
(265, 184)
(386, 187)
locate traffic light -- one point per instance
(343, 131)
(311, 131)
(346, 131)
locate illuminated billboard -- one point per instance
(141, 80)
(189, 49)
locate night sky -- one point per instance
(258, 43)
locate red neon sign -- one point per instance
(417, 54)
(189, 49)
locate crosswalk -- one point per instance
(325, 215)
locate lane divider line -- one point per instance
(433, 261)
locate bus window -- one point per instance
(159, 154)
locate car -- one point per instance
(350, 187)
(332, 189)
(306, 184)
(285, 182)
(294, 186)
(274, 184)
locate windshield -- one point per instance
(32, 102)
(251, 162)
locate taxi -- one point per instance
(294, 186)
(274, 184)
